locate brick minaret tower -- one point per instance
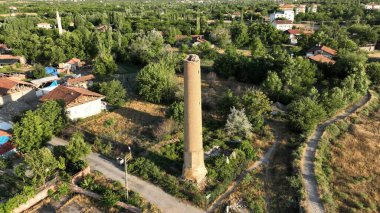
(194, 167)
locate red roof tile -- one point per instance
(294, 32)
(4, 133)
(322, 59)
(9, 83)
(10, 57)
(324, 48)
(81, 79)
(6, 148)
(73, 61)
(283, 22)
(72, 96)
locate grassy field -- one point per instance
(355, 164)
(347, 162)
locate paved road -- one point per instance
(313, 201)
(151, 193)
(231, 188)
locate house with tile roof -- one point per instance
(71, 65)
(12, 89)
(11, 59)
(79, 102)
(83, 82)
(321, 59)
(323, 50)
(282, 25)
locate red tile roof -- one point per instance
(322, 59)
(283, 22)
(81, 79)
(3, 46)
(10, 57)
(294, 32)
(7, 84)
(73, 61)
(72, 96)
(6, 148)
(323, 48)
(4, 133)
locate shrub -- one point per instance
(176, 111)
(238, 124)
(114, 91)
(110, 198)
(165, 129)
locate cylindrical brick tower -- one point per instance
(194, 167)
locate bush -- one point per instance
(114, 91)
(165, 129)
(238, 124)
(110, 198)
(176, 112)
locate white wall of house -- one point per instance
(26, 94)
(84, 110)
(282, 27)
(287, 14)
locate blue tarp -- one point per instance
(51, 71)
(3, 139)
(54, 84)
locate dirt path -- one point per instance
(231, 188)
(313, 201)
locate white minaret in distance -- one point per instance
(194, 168)
(59, 23)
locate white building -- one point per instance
(300, 9)
(44, 26)
(372, 6)
(313, 8)
(286, 14)
(79, 102)
(282, 25)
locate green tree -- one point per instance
(42, 163)
(38, 71)
(257, 106)
(239, 34)
(145, 48)
(29, 133)
(221, 36)
(304, 114)
(373, 71)
(257, 48)
(157, 83)
(54, 116)
(105, 65)
(114, 91)
(298, 77)
(228, 101)
(273, 85)
(77, 149)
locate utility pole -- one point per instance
(127, 157)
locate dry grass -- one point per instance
(131, 122)
(355, 163)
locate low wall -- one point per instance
(51, 185)
(37, 198)
(24, 95)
